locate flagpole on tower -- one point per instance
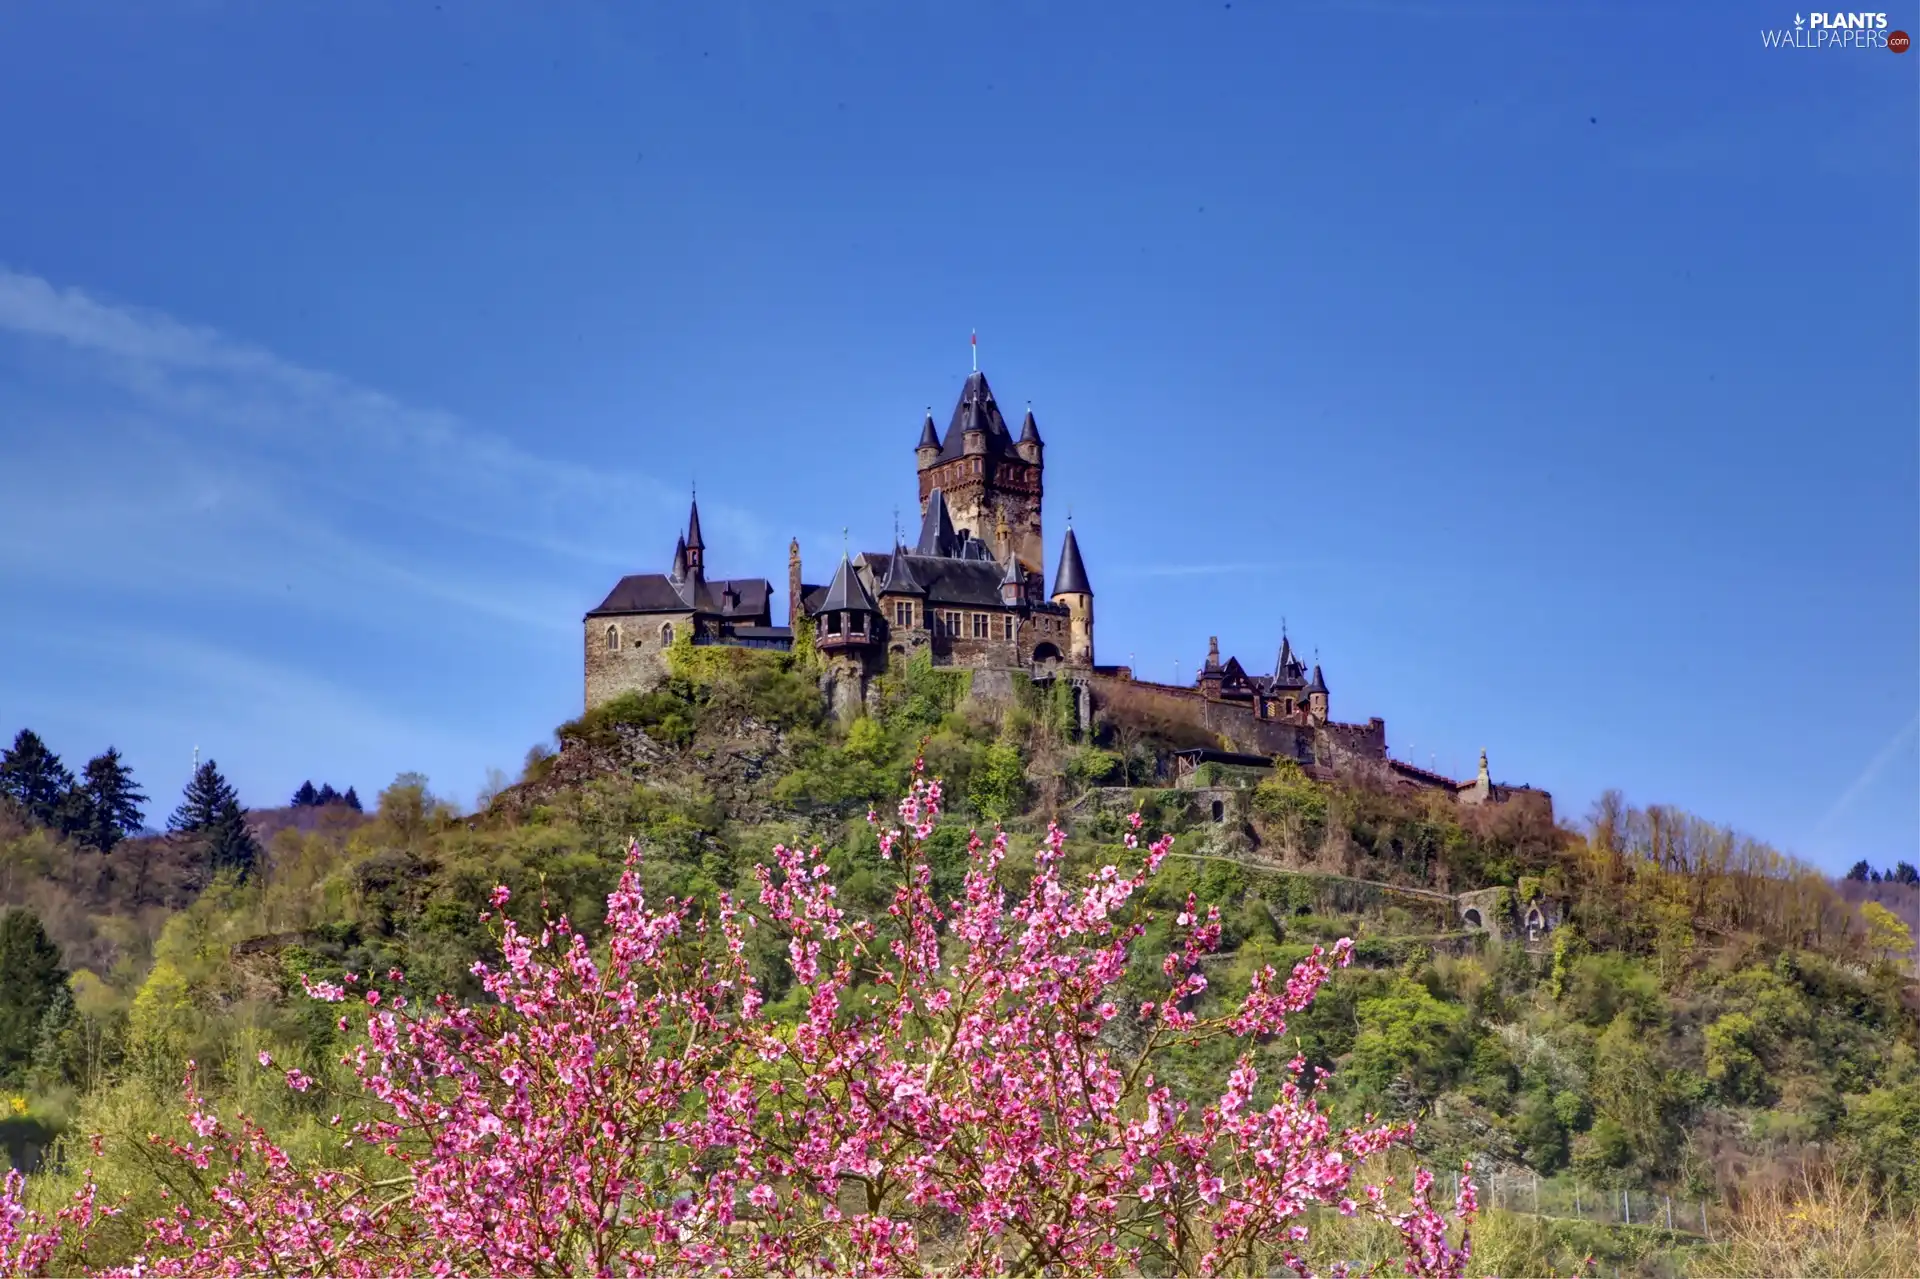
(976, 350)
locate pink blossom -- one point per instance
(611, 1108)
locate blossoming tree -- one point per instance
(966, 1089)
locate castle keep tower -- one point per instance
(991, 480)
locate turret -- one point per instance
(928, 450)
(1317, 696)
(1013, 586)
(847, 618)
(1030, 448)
(973, 434)
(1072, 588)
(678, 573)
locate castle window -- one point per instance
(902, 613)
(1006, 627)
(666, 633)
(979, 625)
(613, 638)
(953, 624)
(1289, 704)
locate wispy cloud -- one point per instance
(149, 454)
(204, 539)
(1868, 775)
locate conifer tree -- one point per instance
(1905, 873)
(306, 796)
(327, 794)
(112, 803)
(351, 800)
(1860, 871)
(30, 974)
(207, 796)
(34, 778)
(211, 810)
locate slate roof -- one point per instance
(936, 527)
(1319, 684)
(899, 579)
(976, 407)
(694, 542)
(655, 593)
(847, 593)
(1029, 429)
(944, 579)
(1071, 577)
(929, 438)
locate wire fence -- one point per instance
(1522, 1190)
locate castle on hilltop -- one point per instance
(971, 592)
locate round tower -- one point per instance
(1072, 588)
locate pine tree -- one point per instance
(230, 845)
(34, 778)
(351, 800)
(112, 802)
(211, 809)
(306, 796)
(30, 973)
(1905, 873)
(207, 796)
(327, 795)
(1860, 872)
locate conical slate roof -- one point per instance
(976, 410)
(694, 542)
(936, 527)
(929, 438)
(1071, 577)
(679, 573)
(1319, 683)
(847, 594)
(1029, 430)
(900, 579)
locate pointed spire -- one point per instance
(694, 541)
(929, 437)
(1071, 577)
(900, 579)
(936, 527)
(679, 572)
(1287, 659)
(847, 594)
(1029, 431)
(1319, 682)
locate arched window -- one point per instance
(1473, 918)
(613, 637)
(666, 633)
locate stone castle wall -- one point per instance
(638, 663)
(1233, 725)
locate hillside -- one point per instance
(1704, 1021)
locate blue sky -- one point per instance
(1550, 369)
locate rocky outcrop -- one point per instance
(735, 762)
